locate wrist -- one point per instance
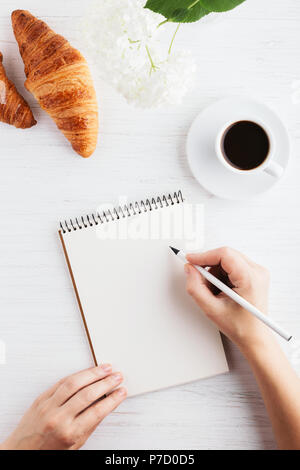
(259, 344)
(5, 445)
(10, 443)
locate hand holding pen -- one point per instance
(242, 287)
(278, 382)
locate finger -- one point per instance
(90, 418)
(70, 385)
(212, 257)
(88, 395)
(49, 392)
(231, 261)
(220, 274)
(197, 287)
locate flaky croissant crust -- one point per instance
(59, 78)
(14, 109)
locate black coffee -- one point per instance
(245, 145)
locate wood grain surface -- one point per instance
(251, 51)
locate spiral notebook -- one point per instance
(131, 294)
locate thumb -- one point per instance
(196, 286)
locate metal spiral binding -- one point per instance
(121, 212)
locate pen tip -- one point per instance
(174, 250)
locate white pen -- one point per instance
(236, 297)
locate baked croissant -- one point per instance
(13, 108)
(59, 78)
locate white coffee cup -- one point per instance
(268, 165)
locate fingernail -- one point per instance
(187, 269)
(122, 391)
(117, 377)
(106, 367)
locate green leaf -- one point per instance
(220, 5)
(178, 11)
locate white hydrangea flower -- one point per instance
(123, 39)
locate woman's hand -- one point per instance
(279, 384)
(247, 278)
(67, 414)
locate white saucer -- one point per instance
(202, 158)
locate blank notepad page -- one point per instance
(138, 315)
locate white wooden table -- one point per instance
(254, 51)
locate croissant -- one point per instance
(13, 108)
(59, 78)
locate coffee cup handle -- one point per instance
(274, 169)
